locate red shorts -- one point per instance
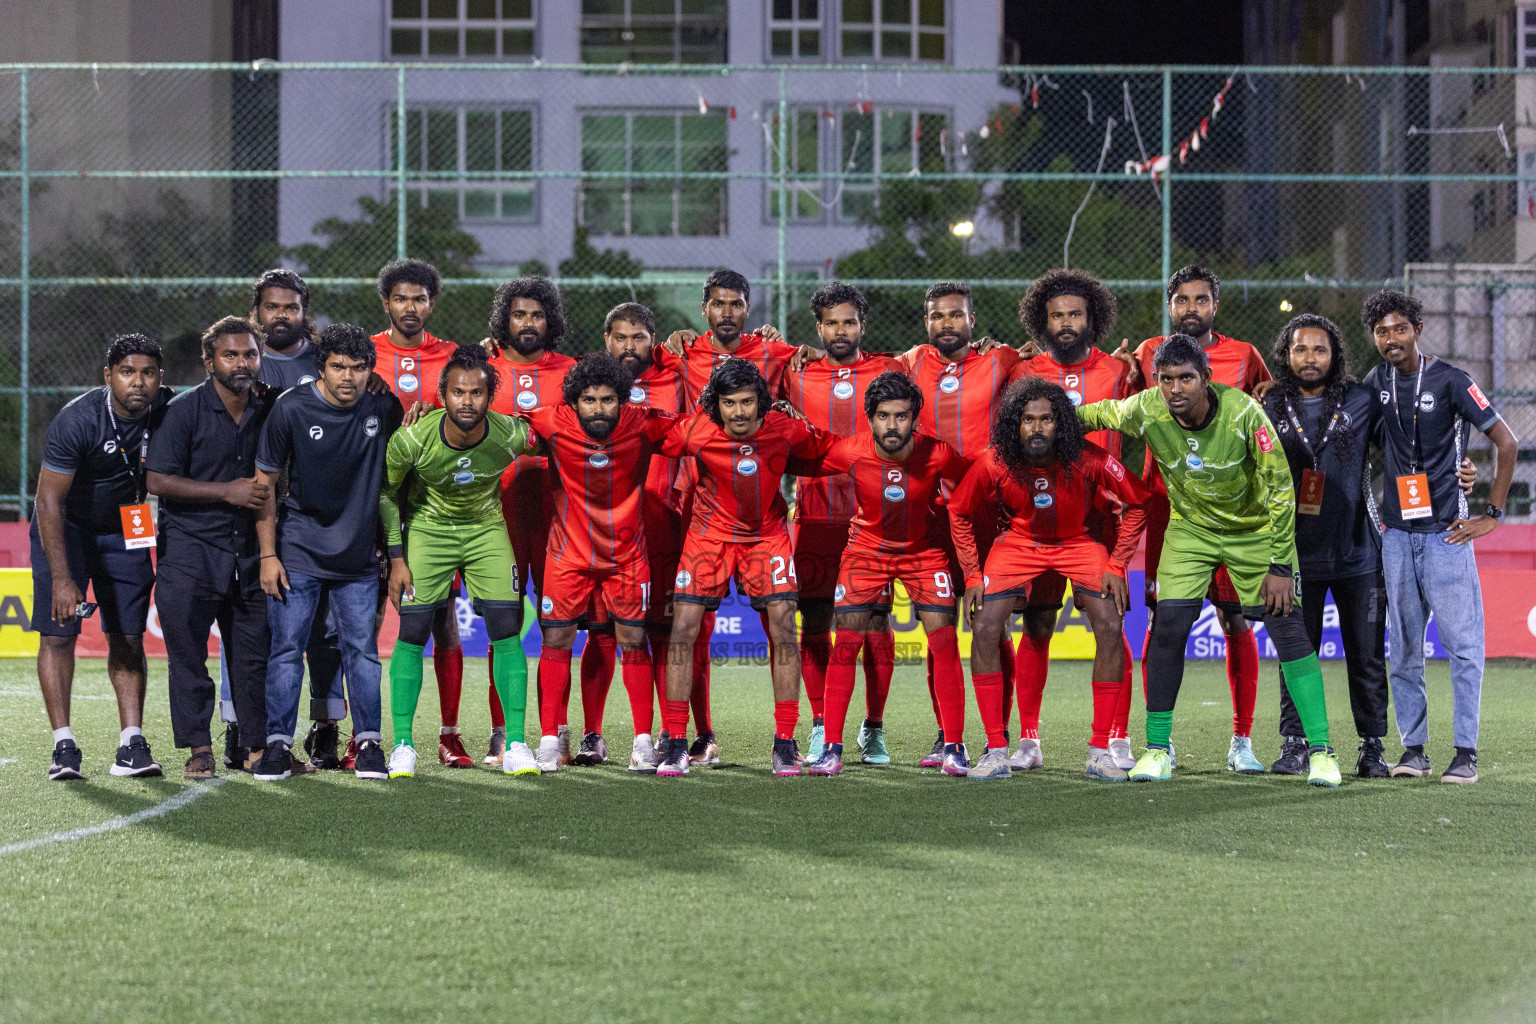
(764, 570)
(1221, 592)
(1016, 561)
(818, 555)
(662, 544)
(569, 591)
(864, 582)
(529, 532)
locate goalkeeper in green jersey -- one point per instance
(1230, 488)
(450, 463)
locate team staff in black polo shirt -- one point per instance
(202, 464)
(90, 498)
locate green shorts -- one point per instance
(483, 554)
(1191, 554)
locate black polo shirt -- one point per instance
(291, 370)
(199, 440)
(102, 453)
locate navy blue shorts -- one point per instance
(120, 582)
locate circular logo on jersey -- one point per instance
(894, 493)
(684, 577)
(408, 382)
(949, 385)
(1043, 500)
(316, 433)
(525, 381)
(371, 426)
(407, 363)
(109, 447)
(1427, 403)
(463, 462)
(1042, 484)
(839, 593)
(306, 379)
(1070, 381)
(463, 477)
(1076, 397)
(747, 467)
(1194, 461)
(1385, 398)
(986, 581)
(636, 393)
(842, 389)
(527, 400)
(547, 605)
(597, 460)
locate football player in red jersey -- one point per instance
(727, 300)
(599, 444)
(1068, 313)
(1194, 294)
(1047, 478)
(961, 386)
(742, 449)
(896, 532)
(410, 360)
(526, 324)
(829, 394)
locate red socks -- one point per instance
(674, 718)
(840, 682)
(948, 683)
(815, 652)
(596, 677)
(1106, 693)
(933, 693)
(879, 664)
(1034, 664)
(700, 694)
(1010, 674)
(498, 717)
(554, 678)
(1243, 678)
(1119, 726)
(786, 715)
(989, 701)
(448, 666)
(660, 640)
(637, 683)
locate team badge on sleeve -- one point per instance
(1477, 396)
(1113, 468)
(1266, 443)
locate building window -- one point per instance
(653, 31)
(660, 143)
(805, 191)
(885, 142)
(1525, 37)
(459, 151)
(794, 30)
(462, 29)
(894, 30)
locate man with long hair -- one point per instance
(1049, 479)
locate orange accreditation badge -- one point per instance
(1413, 496)
(138, 526)
(1310, 501)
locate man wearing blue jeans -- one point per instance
(330, 435)
(1428, 408)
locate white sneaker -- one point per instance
(548, 755)
(642, 755)
(1027, 756)
(402, 762)
(1120, 753)
(517, 759)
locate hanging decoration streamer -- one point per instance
(1159, 164)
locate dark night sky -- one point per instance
(1126, 31)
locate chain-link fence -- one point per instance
(148, 197)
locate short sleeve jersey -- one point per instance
(960, 394)
(831, 398)
(288, 370)
(1234, 363)
(523, 388)
(412, 373)
(446, 487)
(737, 498)
(896, 510)
(599, 492)
(661, 389)
(1449, 404)
(103, 456)
(700, 357)
(328, 525)
(1096, 378)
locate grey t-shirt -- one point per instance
(287, 371)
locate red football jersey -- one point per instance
(1095, 379)
(897, 509)
(1049, 505)
(598, 485)
(701, 356)
(1234, 363)
(831, 398)
(523, 388)
(662, 389)
(412, 373)
(959, 394)
(737, 497)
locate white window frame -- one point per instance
(878, 115)
(420, 190)
(627, 23)
(795, 25)
(878, 29)
(498, 26)
(629, 115)
(817, 188)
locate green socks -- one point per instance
(1304, 680)
(1159, 728)
(510, 665)
(404, 687)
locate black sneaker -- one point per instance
(135, 761)
(1370, 764)
(1293, 757)
(275, 765)
(704, 749)
(66, 762)
(935, 757)
(1413, 764)
(594, 749)
(1463, 767)
(370, 761)
(672, 758)
(320, 744)
(234, 754)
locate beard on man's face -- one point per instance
(598, 426)
(1068, 345)
(527, 341)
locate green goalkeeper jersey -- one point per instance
(447, 487)
(1230, 476)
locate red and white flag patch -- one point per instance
(1114, 468)
(1262, 436)
(1477, 396)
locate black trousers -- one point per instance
(1362, 604)
(188, 607)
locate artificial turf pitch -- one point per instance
(888, 894)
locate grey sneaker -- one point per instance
(1101, 765)
(1463, 767)
(548, 754)
(594, 749)
(642, 755)
(1413, 764)
(1120, 753)
(992, 764)
(786, 758)
(935, 757)
(1028, 756)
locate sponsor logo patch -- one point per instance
(636, 393)
(684, 577)
(316, 433)
(840, 593)
(371, 426)
(463, 477)
(1043, 500)
(1076, 397)
(547, 606)
(408, 382)
(527, 399)
(109, 447)
(1427, 403)
(1113, 468)
(842, 389)
(306, 379)
(894, 493)
(1194, 461)
(1266, 443)
(747, 467)
(1477, 396)
(597, 460)
(949, 385)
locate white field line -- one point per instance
(160, 810)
